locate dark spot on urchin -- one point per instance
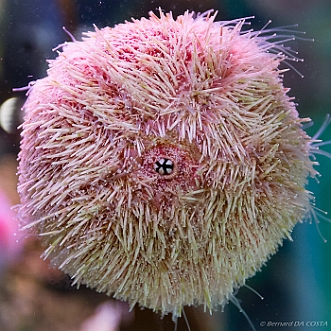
(164, 166)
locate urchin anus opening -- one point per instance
(164, 166)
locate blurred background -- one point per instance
(296, 283)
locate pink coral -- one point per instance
(162, 160)
(9, 245)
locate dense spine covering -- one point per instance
(203, 96)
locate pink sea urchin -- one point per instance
(162, 160)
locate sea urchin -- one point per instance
(162, 160)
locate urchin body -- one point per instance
(162, 160)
